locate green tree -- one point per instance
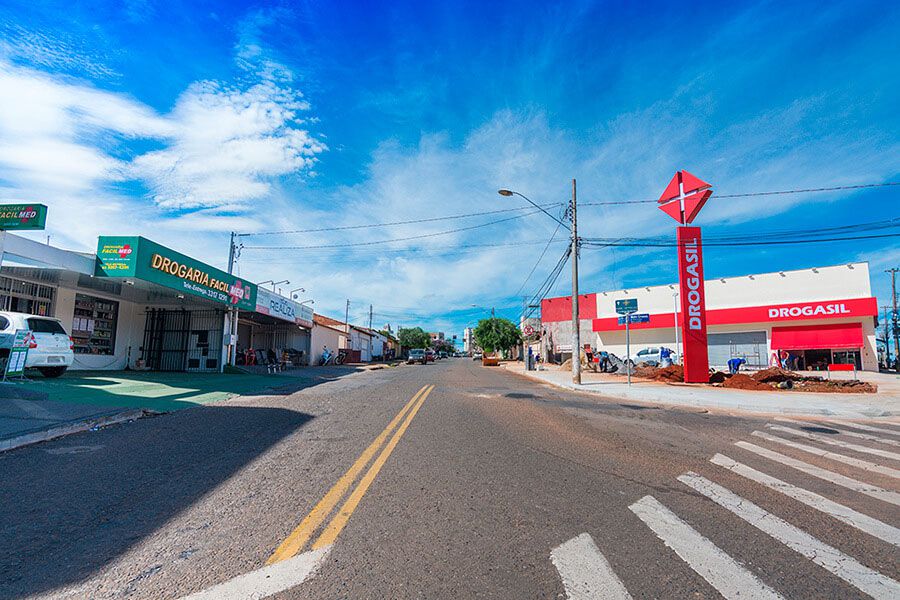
(497, 334)
(414, 337)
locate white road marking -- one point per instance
(857, 435)
(831, 559)
(836, 478)
(827, 440)
(266, 581)
(842, 513)
(721, 571)
(866, 427)
(847, 460)
(585, 572)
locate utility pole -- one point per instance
(231, 354)
(347, 324)
(887, 338)
(576, 331)
(895, 326)
(370, 332)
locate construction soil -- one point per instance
(766, 380)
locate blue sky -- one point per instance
(184, 121)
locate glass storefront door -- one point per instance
(848, 357)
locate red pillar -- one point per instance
(693, 305)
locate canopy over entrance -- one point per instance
(818, 337)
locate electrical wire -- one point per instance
(670, 244)
(755, 194)
(392, 223)
(540, 258)
(388, 241)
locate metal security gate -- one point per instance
(183, 340)
(749, 345)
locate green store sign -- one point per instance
(22, 216)
(140, 258)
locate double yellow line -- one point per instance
(302, 534)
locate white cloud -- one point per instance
(228, 145)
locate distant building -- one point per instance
(438, 335)
(468, 340)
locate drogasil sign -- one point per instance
(693, 281)
(809, 310)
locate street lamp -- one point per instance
(311, 301)
(294, 294)
(274, 283)
(573, 229)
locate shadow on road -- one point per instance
(67, 513)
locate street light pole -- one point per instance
(576, 329)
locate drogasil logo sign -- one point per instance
(808, 310)
(693, 282)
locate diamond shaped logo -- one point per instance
(684, 197)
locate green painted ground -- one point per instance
(155, 391)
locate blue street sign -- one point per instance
(626, 306)
(635, 318)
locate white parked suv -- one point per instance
(50, 349)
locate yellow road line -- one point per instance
(298, 538)
(340, 519)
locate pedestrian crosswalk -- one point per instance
(868, 498)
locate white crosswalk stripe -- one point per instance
(836, 478)
(833, 560)
(585, 572)
(847, 460)
(855, 434)
(721, 571)
(865, 427)
(842, 513)
(832, 442)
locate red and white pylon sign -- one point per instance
(682, 200)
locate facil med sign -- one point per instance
(140, 258)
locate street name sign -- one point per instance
(626, 306)
(635, 318)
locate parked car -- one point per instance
(50, 351)
(476, 356)
(442, 354)
(416, 356)
(649, 356)
(429, 355)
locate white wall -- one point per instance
(805, 285)
(324, 336)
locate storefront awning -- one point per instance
(818, 337)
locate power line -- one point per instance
(388, 241)
(754, 194)
(540, 258)
(670, 244)
(392, 223)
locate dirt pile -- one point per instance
(776, 375)
(842, 386)
(739, 381)
(718, 377)
(673, 373)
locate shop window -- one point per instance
(94, 325)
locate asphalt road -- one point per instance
(452, 481)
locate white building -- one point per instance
(468, 340)
(820, 315)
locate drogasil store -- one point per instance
(817, 316)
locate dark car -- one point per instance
(416, 356)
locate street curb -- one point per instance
(750, 411)
(72, 427)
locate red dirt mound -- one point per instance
(776, 375)
(718, 377)
(853, 386)
(739, 381)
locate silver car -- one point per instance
(50, 351)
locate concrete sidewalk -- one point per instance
(26, 421)
(885, 404)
